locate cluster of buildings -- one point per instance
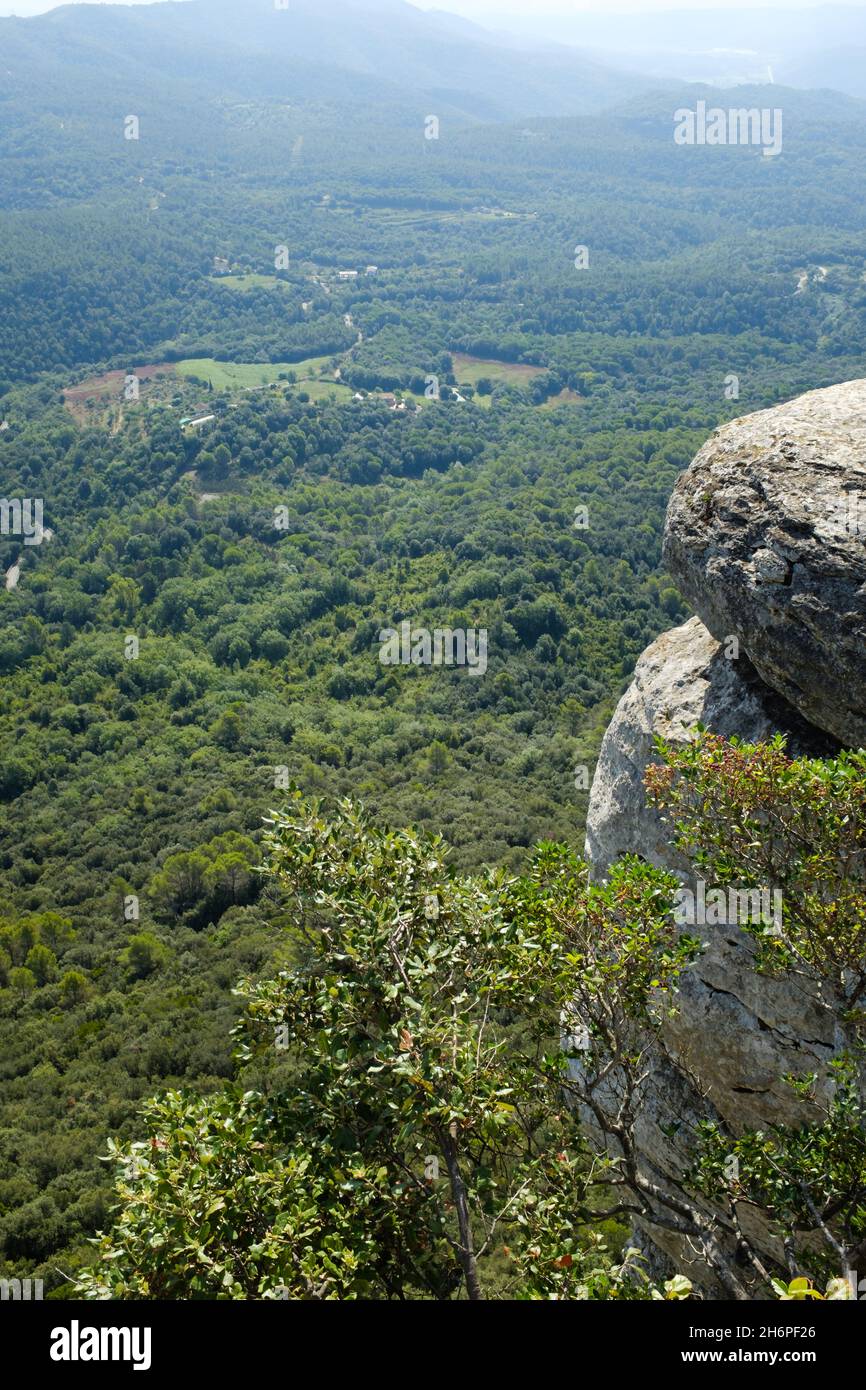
(387, 398)
(222, 266)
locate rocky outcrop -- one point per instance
(683, 679)
(766, 538)
(760, 542)
(736, 1034)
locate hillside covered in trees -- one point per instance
(285, 370)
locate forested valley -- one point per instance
(285, 372)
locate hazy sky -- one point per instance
(491, 11)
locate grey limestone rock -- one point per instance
(766, 538)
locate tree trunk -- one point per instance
(461, 1202)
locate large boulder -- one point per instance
(766, 538)
(683, 679)
(737, 1034)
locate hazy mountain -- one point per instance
(817, 47)
(841, 68)
(257, 49)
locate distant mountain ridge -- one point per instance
(257, 49)
(816, 47)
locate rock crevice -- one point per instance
(766, 537)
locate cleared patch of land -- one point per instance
(474, 369)
(322, 390)
(101, 399)
(565, 397)
(100, 394)
(238, 376)
(403, 217)
(248, 282)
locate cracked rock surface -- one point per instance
(766, 538)
(683, 679)
(737, 1033)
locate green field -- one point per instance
(236, 376)
(473, 369)
(315, 375)
(400, 217)
(565, 397)
(248, 282)
(322, 390)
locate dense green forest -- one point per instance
(255, 557)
